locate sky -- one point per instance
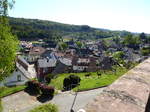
(130, 15)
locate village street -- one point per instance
(22, 102)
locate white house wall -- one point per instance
(13, 79)
(79, 68)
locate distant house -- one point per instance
(106, 63)
(85, 64)
(45, 66)
(93, 47)
(21, 74)
(64, 65)
(52, 65)
(84, 52)
(94, 65)
(80, 64)
(112, 50)
(50, 44)
(101, 46)
(59, 54)
(52, 54)
(131, 55)
(35, 53)
(25, 44)
(48, 53)
(71, 44)
(70, 53)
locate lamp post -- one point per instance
(71, 110)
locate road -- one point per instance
(22, 102)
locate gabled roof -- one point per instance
(65, 61)
(46, 62)
(80, 60)
(37, 51)
(24, 71)
(22, 60)
(83, 60)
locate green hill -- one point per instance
(31, 29)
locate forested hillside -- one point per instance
(30, 29)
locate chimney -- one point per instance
(47, 59)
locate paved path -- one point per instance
(22, 102)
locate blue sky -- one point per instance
(131, 15)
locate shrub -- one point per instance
(118, 54)
(47, 79)
(47, 90)
(33, 86)
(66, 83)
(145, 51)
(45, 108)
(71, 82)
(74, 79)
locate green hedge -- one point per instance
(1, 108)
(45, 108)
(5, 91)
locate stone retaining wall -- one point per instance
(130, 93)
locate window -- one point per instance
(19, 78)
(45, 70)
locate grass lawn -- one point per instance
(45, 108)
(5, 91)
(91, 82)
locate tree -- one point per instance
(71, 82)
(79, 44)
(143, 36)
(145, 51)
(131, 41)
(118, 56)
(116, 40)
(54, 36)
(63, 46)
(8, 42)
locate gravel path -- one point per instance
(22, 102)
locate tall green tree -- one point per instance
(63, 46)
(143, 36)
(116, 40)
(79, 44)
(131, 41)
(8, 42)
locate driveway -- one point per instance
(22, 102)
